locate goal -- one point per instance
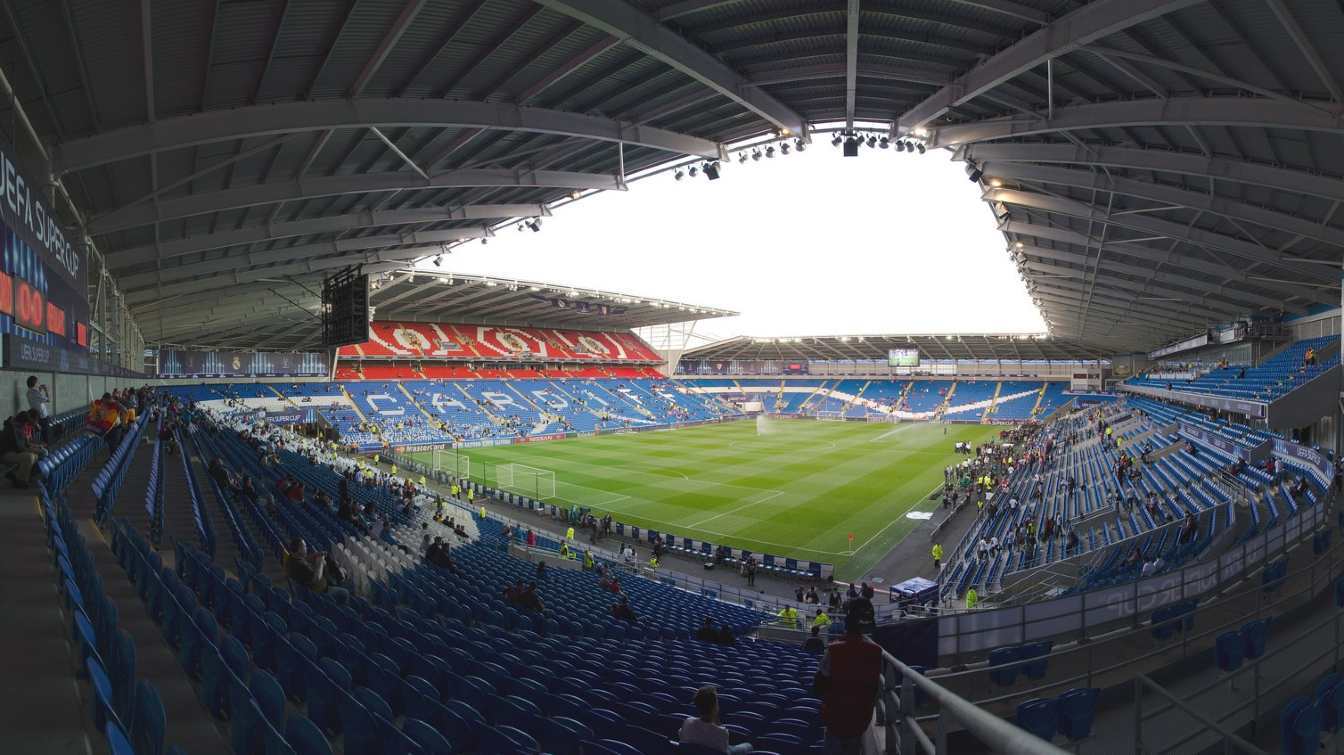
(451, 462)
(878, 417)
(530, 481)
(831, 416)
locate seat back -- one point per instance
(147, 730)
(1230, 649)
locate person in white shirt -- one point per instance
(704, 728)
(39, 401)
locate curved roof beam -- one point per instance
(1142, 287)
(250, 259)
(1233, 112)
(289, 117)
(1156, 256)
(169, 248)
(1162, 161)
(1170, 195)
(1244, 299)
(271, 192)
(1092, 22)
(234, 263)
(1157, 226)
(643, 32)
(392, 257)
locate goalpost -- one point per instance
(530, 481)
(831, 416)
(879, 417)
(450, 461)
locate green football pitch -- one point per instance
(800, 489)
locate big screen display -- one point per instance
(205, 364)
(43, 281)
(903, 357)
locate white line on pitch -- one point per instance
(893, 431)
(893, 521)
(772, 494)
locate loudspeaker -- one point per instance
(852, 147)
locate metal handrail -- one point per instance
(903, 730)
(1142, 682)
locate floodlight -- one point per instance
(438, 261)
(852, 146)
(835, 140)
(741, 158)
(872, 141)
(884, 142)
(784, 148)
(920, 147)
(801, 145)
(755, 154)
(712, 170)
(678, 175)
(770, 151)
(900, 146)
(694, 171)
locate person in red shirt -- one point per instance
(848, 681)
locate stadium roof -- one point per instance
(1161, 163)
(930, 346)
(408, 294)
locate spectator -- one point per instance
(704, 729)
(438, 554)
(847, 682)
(15, 449)
(40, 402)
(788, 617)
(622, 611)
(814, 642)
(310, 570)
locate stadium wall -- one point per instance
(67, 391)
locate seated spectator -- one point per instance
(704, 729)
(223, 476)
(529, 600)
(707, 632)
(1188, 529)
(622, 611)
(17, 450)
(322, 498)
(310, 570)
(438, 555)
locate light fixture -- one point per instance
(872, 141)
(900, 146)
(784, 148)
(973, 172)
(835, 140)
(920, 147)
(678, 175)
(438, 261)
(712, 170)
(575, 194)
(741, 158)
(534, 224)
(694, 171)
(884, 142)
(755, 154)
(800, 145)
(770, 151)
(996, 183)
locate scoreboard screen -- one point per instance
(903, 357)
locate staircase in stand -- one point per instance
(993, 403)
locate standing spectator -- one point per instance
(40, 402)
(937, 556)
(847, 682)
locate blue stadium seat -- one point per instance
(305, 738)
(1040, 717)
(1077, 709)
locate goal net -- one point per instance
(449, 461)
(530, 481)
(831, 416)
(878, 417)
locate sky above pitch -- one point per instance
(804, 244)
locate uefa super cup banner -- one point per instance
(43, 280)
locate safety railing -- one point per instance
(905, 734)
(1231, 743)
(1293, 664)
(1112, 653)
